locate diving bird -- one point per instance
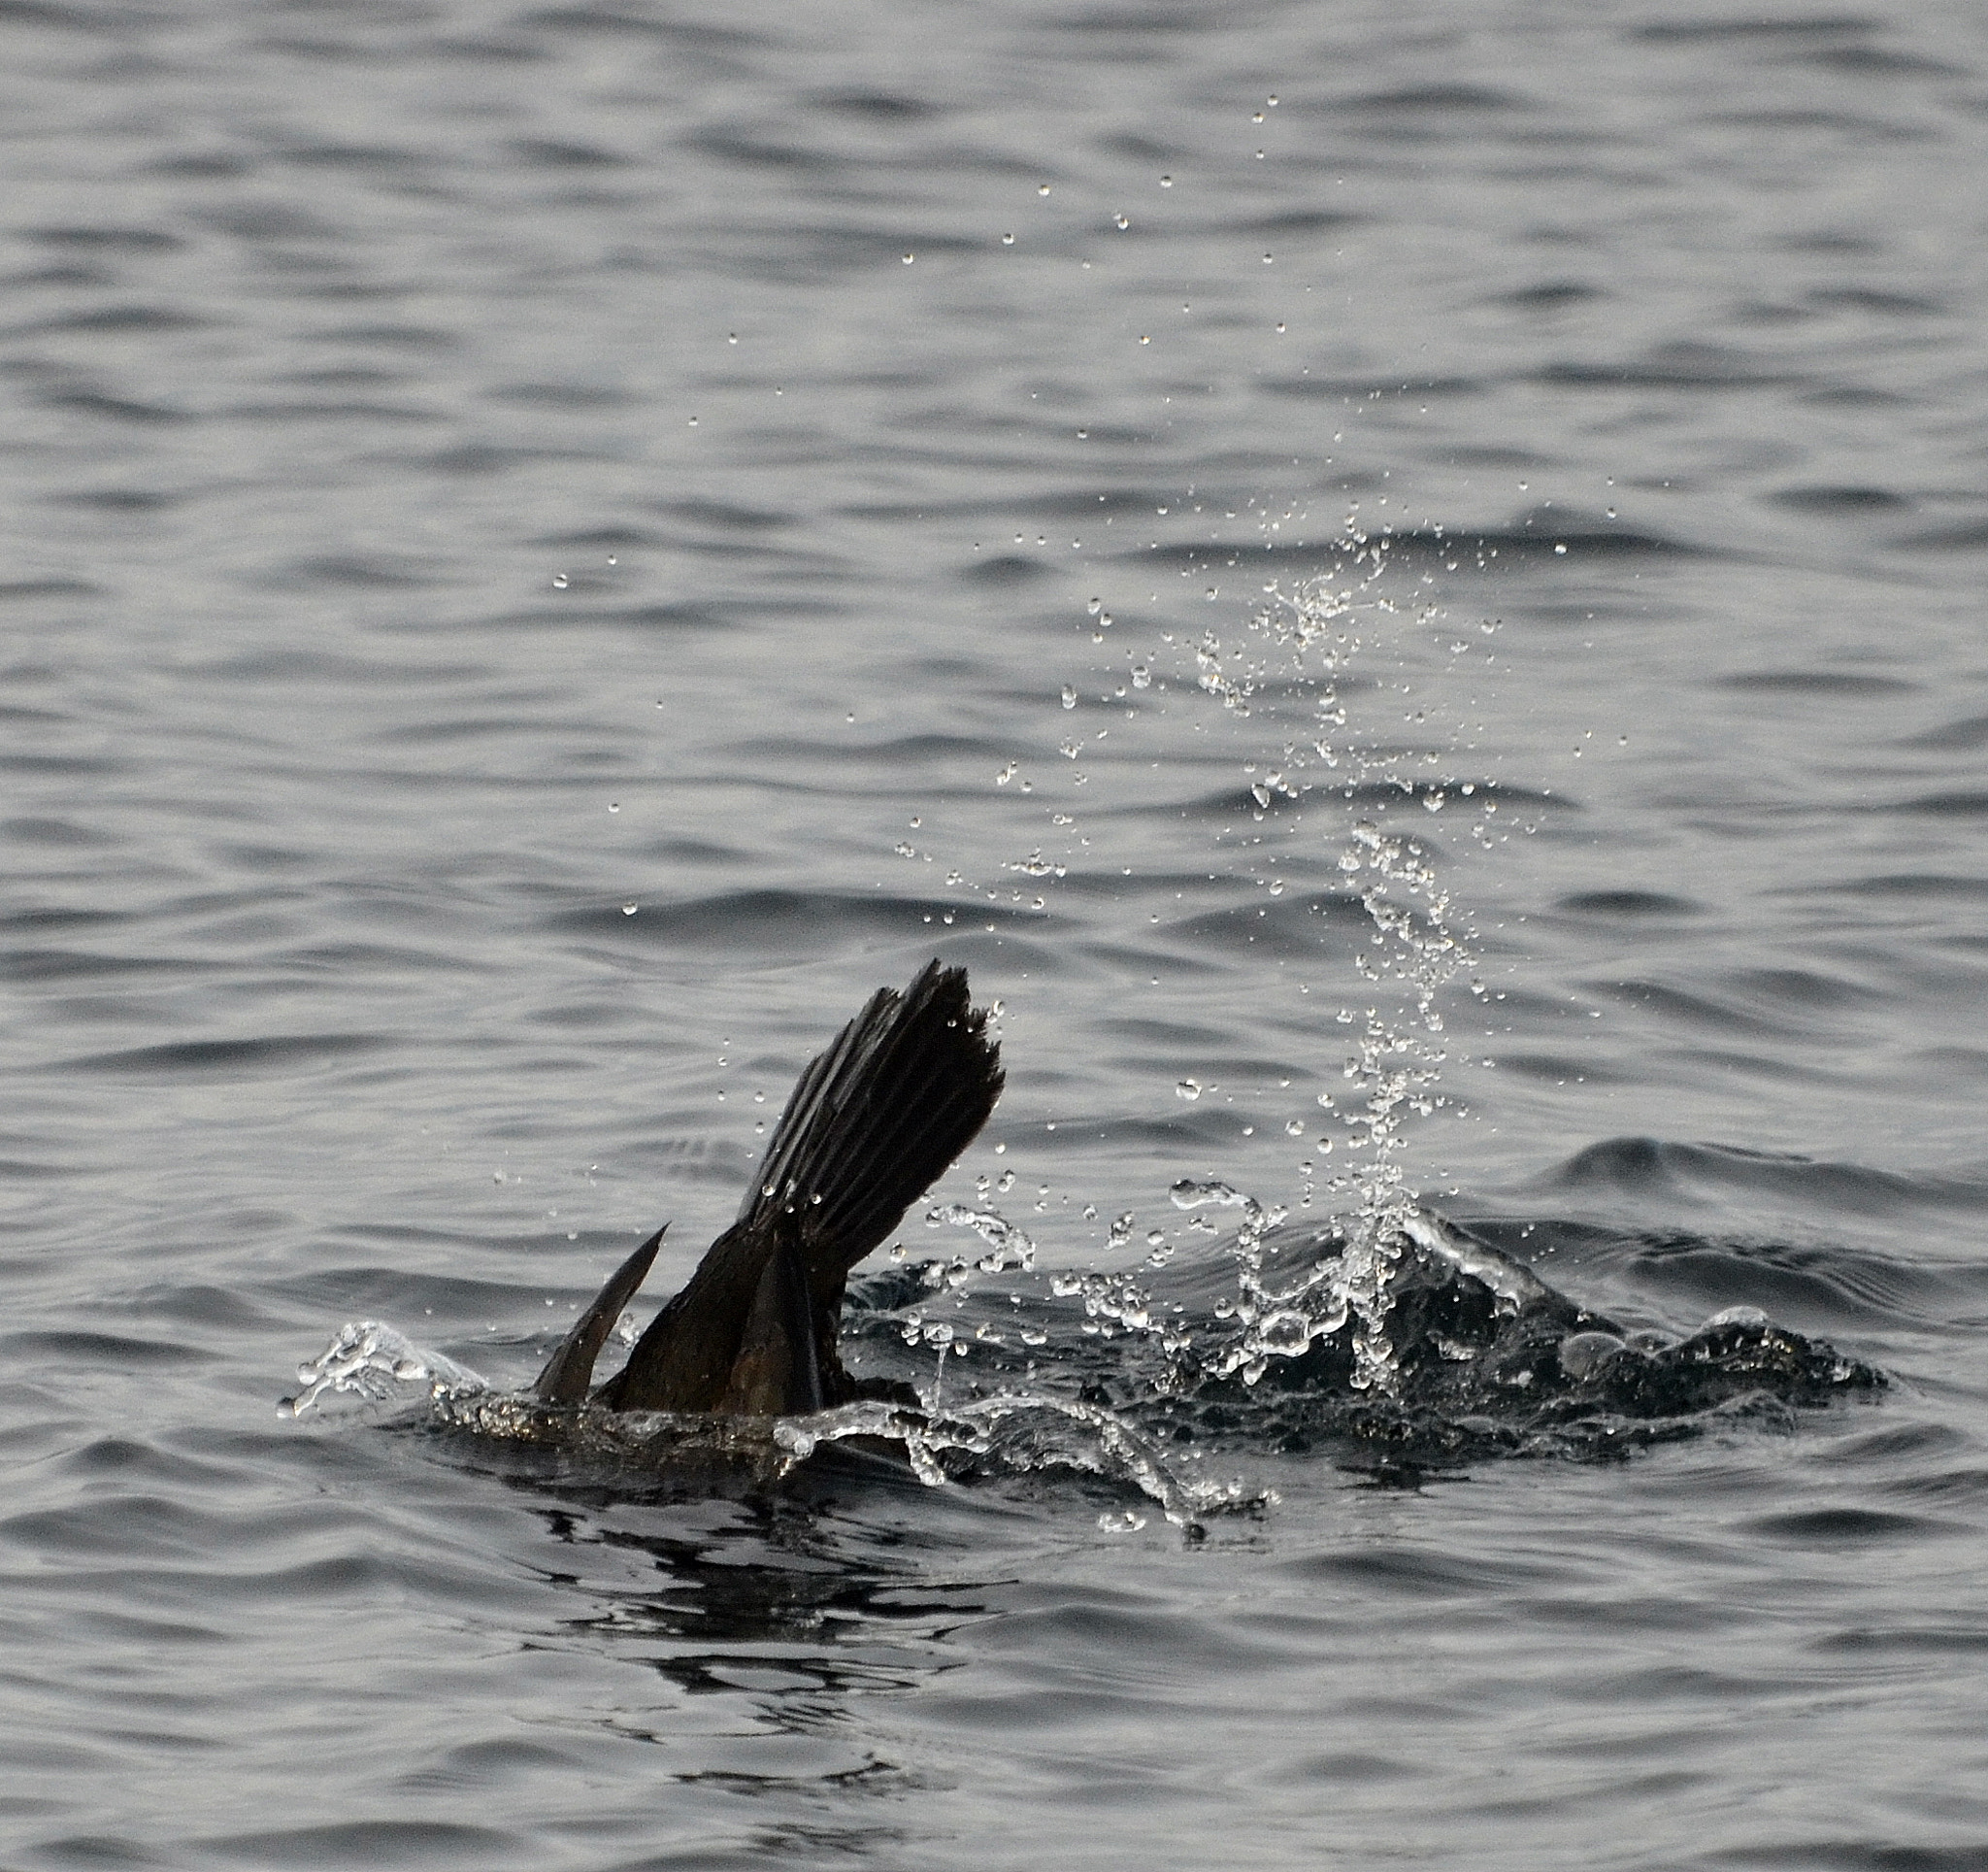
(873, 1122)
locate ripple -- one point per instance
(225, 1058)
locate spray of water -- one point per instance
(1305, 639)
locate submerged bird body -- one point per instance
(872, 1122)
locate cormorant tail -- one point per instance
(571, 1369)
(873, 1122)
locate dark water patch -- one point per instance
(1903, 885)
(733, 516)
(1892, 1446)
(1861, 125)
(1830, 1287)
(787, 922)
(81, 765)
(878, 107)
(1538, 536)
(226, 1059)
(559, 396)
(1881, 1853)
(1420, 1573)
(1004, 570)
(358, 158)
(1377, 795)
(1802, 989)
(1968, 735)
(430, 339)
(1559, 1069)
(567, 1270)
(114, 409)
(1815, 683)
(1365, 391)
(344, 410)
(363, 958)
(1872, 299)
(1876, 61)
(119, 320)
(283, 663)
(1551, 295)
(105, 238)
(22, 1170)
(54, 917)
(677, 615)
(101, 1349)
(1840, 500)
(121, 500)
(1628, 904)
(1300, 929)
(443, 733)
(546, 152)
(1963, 536)
(1644, 1166)
(76, 965)
(1307, 221)
(1436, 98)
(101, 1850)
(1695, 1010)
(1960, 804)
(196, 1305)
(123, 1525)
(1718, 30)
(1940, 1641)
(18, 590)
(1848, 1525)
(65, 834)
(126, 1457)
(788, 753)
(1671, 367)
(202, 166)
(371, 1842)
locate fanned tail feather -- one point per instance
(872, 1123)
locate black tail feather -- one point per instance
(875, 1121)
(571, 1369)
(879, 1117)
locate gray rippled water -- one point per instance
(549, 551)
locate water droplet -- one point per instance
(1123, 221)
(1144, 340)
(1068, 697)
(1042, 188)
(1166, 181)
(1008, 240)
(558, 582)
(1188, 1089)
(613, 806)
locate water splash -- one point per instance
(1417, 946)
(373, 1362)
(1007, 1245)
(1108, 1446)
